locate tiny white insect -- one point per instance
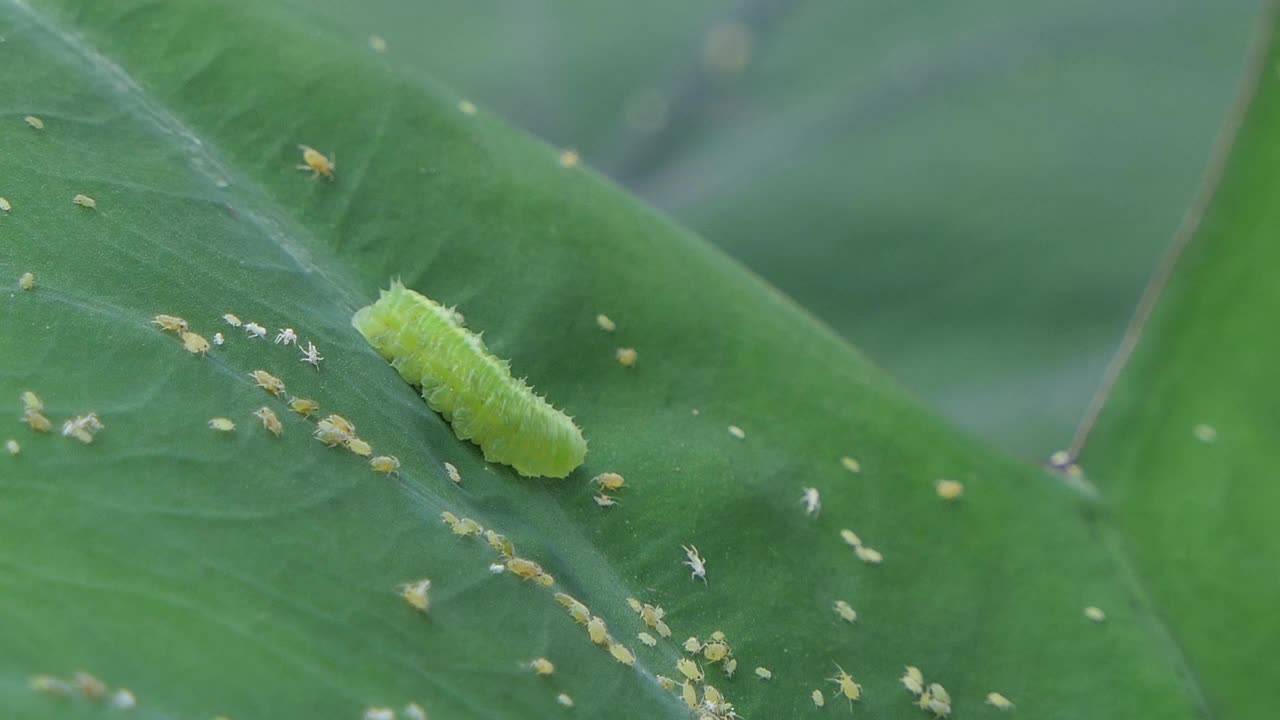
(647, 639)
(379, 713)
(232, 320)
(286, 336)
(737, 432)
(497, 568)
(626, 356)
(605, 323)
(569, 159)
(564, 699)
(998, 701)
(868, 555)
(851, 464)
(83, 427)
(846, 613)
(311, 355)
(764, 673)
(34, 122)
(1205, 433)
(12, 447)
(696, 562)
(913, 680)
(253, 329)
(812, 501)
(1060, 459)
(123, 699)
(4, 204)
(414, 711)
(218, 339)
(1095, 613)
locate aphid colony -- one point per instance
(652, 616)
(864, 553)
(714, 650)
(933, 698)
(712, 705)
(90, 687)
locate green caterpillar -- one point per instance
(472, 389)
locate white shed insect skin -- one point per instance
(82, 427)
(269, 421)
(665, 682)
(195, 344)
(316, 162)
(818, 700)
(311, 355)
(385, 464)
(414, 711)
(564, 699)
(218, 339)
(696, 562)
(851, 465)
(27, 281)
(417, 594)
(605, 501)
(12, 447)
(171, 323)
(622, 654)
(913, 680)
(497, 568)
(542, 666)
(846, 613)
(737, 432)
(123, 699)
(1060, 459)
(253, 329)
(610, 481)
(232, 320)
(35, 122)
(222, 424)
(998, 701)
(627, 356)
(647, 639)
(379, 713)
(268, 382)
(1095, 614)
(286, 336)
(730, 666)
(85, 201)
(605, 323)
(453, 473)
(949, 489)
(764, 673)
(812, 501)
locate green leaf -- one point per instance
(253, 576)
(1186, 446)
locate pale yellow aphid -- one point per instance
(303, 406)
(453, 473)
(635, 605)
(385, 464)
(545, 580)
(868, 555)
(359, 447)
(414, 711)
(818, 700)
(737, 432)
(622, 654)
(449, 518)
(379, 713)
(998, 701)
(711, 696)
(605, 501)
(937, 692)
(1205, 433)
(85, 201)
(542, 666)
(764, 673)
(597, 630)
(268, 382)
(845, 612)
(851, 538)
(647, 639)
(580, 613)
(692, 645)
(4, 204)
(27, 281)
(847, 687)
(89, 686)
(49, 685)
(316, 162)
(37, 421)
(467, 107)
(696, 562)
(500, 543)
(731, 666)
(718, 635)
(232, 320)
(377, 43)
(1095, 613)
(467, 526)
(913, 680)
(689, 693)
(270, 421)
(627, 356)
(949, 489)
(652, 614)
(172, 323)
(605, 323)
(31, 401)
(665, 682)
(222, 424)
(662, 629)
(609, 481)
(124, 699)
(569, 159)
(689, 669)
(194, 344)
(936, 700)
(497, 568)
(341, 424)
(34, 122)
(564, 699)
(812, 501)
(715, 651)
(417, 594)
(526, 569)
(12, 447)
(82, 427)
(851, 465)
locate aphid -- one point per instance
(913, 680)
(329, 435)
(123, 699)
(311, 355)
(711, 697)
(851, 538)
(569, 159)
(194, 344)
(715, 651)
(385, 464)
(605, 501)
(635, 605)
(27, 281)
(377, 43)
(647, 639)
(341, 424)
(414, 711)
(999, 701)
(89, 686)
(526, 569)
(34, 122)
(218, 339)
(49, 685)
(847, 687)
(605, 323)
(868, 555)
(622, 654)
(936, 700)
(222, 424)
(471, 388)
(812, 501)
(938, 692)
(1095, 613)
(172, 323)
(730, 666)
(737, 432)
(417, 594)
(597, 631)
(545, 580)
(304, 407)
(542, 666)
(818, 700)
(579, 612)
(85, 201)
(12, 447)
(627, 356)
(317, 163)
(851, 465)
(718, 635)
(286, 336)
(764, 673)
(31, 401)
(37, 421)
(270, 421)
(662, 629)
(452, 472)
(467, 526)
(665, 682)
(564, 699)
(467, 107)
(845, 612)
(82, 427)
(609, 481)
(651, 615)
(949, 489)
(1205, 433)
(499, 543)
(449, 518)
(359, 447)
(253, 329)
(379, 713)
(689, 693)
(696, 562)
(268, 382)
(692, 645)
(689, 669)
(4, 204)
(232, 320)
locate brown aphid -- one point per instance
(194, 344)
(270, 421)
(316, 162)
(84, 201)
(268, 382)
